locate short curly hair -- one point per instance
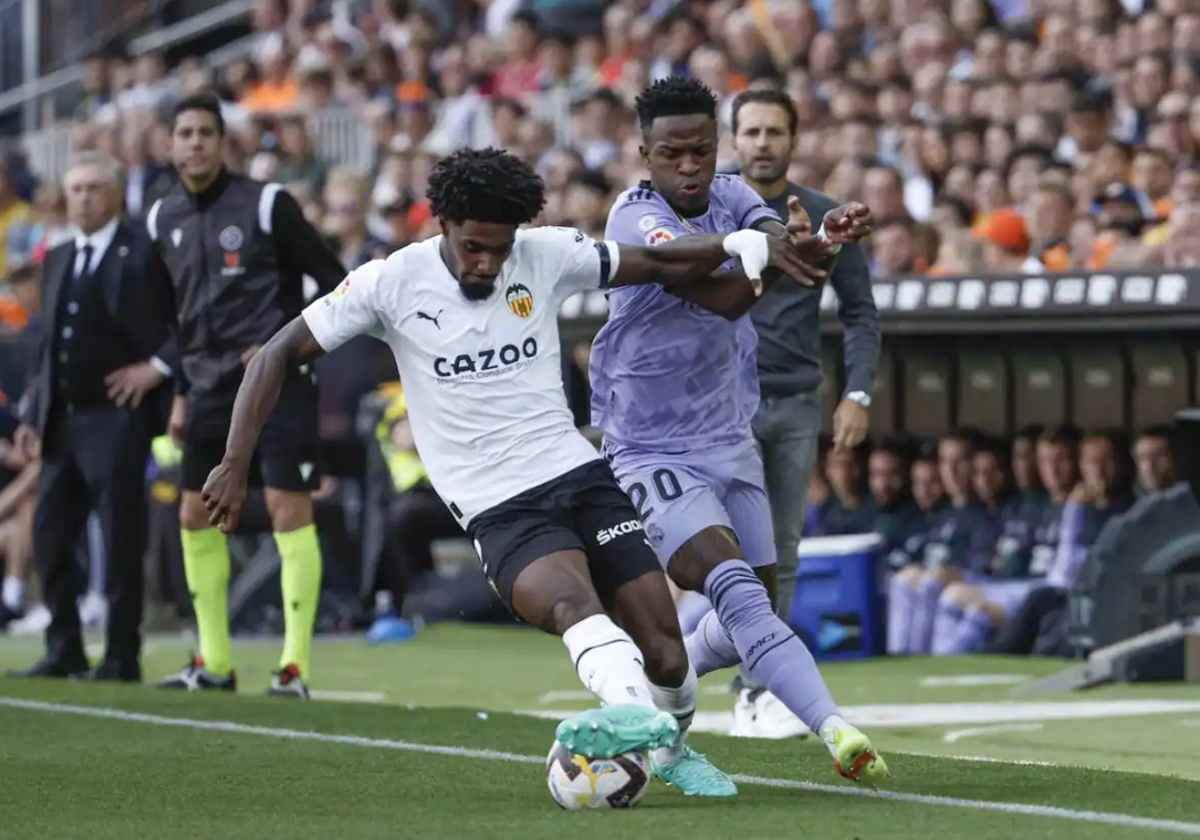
(485, 185)
(674, 96)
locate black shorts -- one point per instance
(286, 457)
(584, 510)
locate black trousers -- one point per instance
(93, 460)
(416, 519)
(1020, 636)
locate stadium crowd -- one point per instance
(1007, 136)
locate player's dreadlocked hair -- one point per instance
(485, 185)
(674, 96)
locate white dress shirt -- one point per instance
(99, 241)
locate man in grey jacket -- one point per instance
(789, 365)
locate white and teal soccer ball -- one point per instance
(577, 782)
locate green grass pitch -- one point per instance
(444, 737)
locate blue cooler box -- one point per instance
(837, 607)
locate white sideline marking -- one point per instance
(1096, 817)
(348, 696)
(967, 680)
(974, 732)
(1017, 762)
(952, 714)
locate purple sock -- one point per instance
(945, 627)
(768, 647)
(691, 608)
(974, 630)
(900, 606)
(920, 631)
(710, 647)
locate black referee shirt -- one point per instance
(236, 255)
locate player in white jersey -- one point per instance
(472, 318)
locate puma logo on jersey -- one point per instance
(607, 535)
(424, 316)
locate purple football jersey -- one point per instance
(668, 376)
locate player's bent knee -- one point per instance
(289, 510)
(696, 559)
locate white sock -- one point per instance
(680, 702)
(13, 594)
(608, 662)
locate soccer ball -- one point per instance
(577, 782)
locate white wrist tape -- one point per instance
(821, 234)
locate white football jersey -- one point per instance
(482, 379)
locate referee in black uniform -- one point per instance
(236, 252)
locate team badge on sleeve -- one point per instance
(342, 288)
(647, 223)
(658, 236)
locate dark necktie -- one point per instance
(86, 270)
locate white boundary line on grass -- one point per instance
(1096, 817)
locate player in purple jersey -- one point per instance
(556, 535)
(675, 387)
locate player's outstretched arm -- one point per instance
(326, 324)
(688, 259)
(730, 294)
(291, 347)
(225, 490)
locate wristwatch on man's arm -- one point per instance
(860, 397)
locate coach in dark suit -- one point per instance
(93, 405)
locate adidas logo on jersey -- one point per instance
(607, 535)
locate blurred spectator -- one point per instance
(1006, 243)
(15, 216)
(897, 516)
(298, 162)
(959, 114)
(947, 553)
(969, 613)
(1036, 622)
(18, 475)
(1154, 460)
(417, 517)
(850, 509)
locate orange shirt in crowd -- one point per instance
(13, 316)
(1057, 257)
(1102, 250)
(412, 92)
(272, 96)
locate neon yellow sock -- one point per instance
(206, 564)
(300, 580)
